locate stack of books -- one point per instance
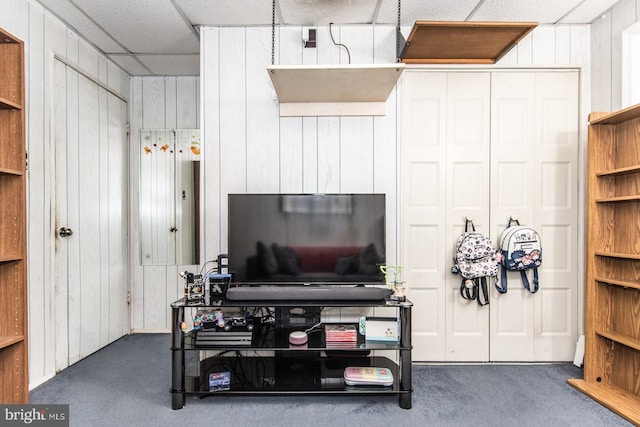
(341, 336)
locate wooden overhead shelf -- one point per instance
(448, 42)
(334, 90)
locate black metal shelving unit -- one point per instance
(270, 365)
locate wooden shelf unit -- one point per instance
(612, 316)
(14, 384)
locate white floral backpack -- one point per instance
(475, 259)
(520, 250)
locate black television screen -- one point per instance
(307, 238)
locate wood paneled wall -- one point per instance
(157, 103)
(45, 36)
(606, 53)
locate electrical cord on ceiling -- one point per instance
(339, 44)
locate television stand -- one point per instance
(270, 365)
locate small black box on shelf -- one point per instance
(218, 285)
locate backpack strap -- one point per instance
(483, 292)
(468, 292)
(468, 221)
(525, 280)
(501, 285)
(478, 291)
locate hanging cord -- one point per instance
(398, 32)
(339, 44)
(273, 32)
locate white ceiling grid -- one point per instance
(160, 37)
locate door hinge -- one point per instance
(128, 128)
(128, 297)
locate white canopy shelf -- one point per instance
(334, 90)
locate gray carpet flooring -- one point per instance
(128, 383)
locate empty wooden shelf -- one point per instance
(612, 316)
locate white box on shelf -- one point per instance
(381, 329)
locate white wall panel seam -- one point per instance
(246, 121)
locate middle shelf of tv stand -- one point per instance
(273, 337)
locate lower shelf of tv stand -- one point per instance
(288, 374)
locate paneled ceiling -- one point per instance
(160, 37)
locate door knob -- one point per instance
(65, 232)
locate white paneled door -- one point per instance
(487, 145)
(534, 171)
(91, 216)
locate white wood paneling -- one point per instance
(165, 103)
(258, 151)
(606, 53)
(262, 137)
(45, 35)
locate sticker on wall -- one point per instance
(195, 144)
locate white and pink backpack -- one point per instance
(520, 250)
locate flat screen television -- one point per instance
(306, 238)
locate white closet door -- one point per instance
(534, 161)
(467, 195)
(445, 174)
(91, 265)
(423, 215)
(489, 144)
(512, 171)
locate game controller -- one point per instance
(232, 322)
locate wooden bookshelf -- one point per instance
(14, 384)
(612, 316)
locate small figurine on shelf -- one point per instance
(396, 284)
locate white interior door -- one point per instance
(490, 144)
(534, 162)
(91, 273)
(445, 178)
(423, 214)
(467, 195)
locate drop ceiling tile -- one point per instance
(83, 25)
(150, 26)
(227, 12)
(542, 11)
(588, 11)
(420, 10)
(323, 12)
(172, 65)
